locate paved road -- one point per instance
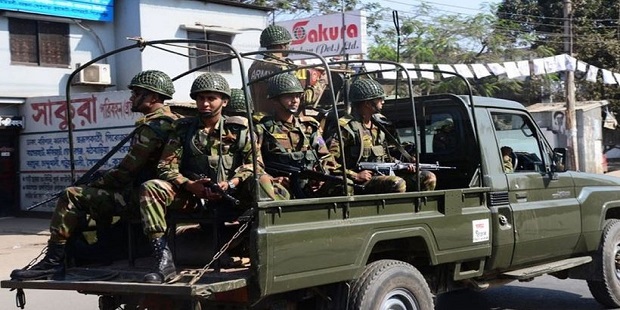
(21, 240)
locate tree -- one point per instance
(596, 34)
(427, 37)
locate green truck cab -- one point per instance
(483, 225)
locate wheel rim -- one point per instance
(399, 299)
(617, 261)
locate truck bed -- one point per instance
(120, 278)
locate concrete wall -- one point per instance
(589, 134)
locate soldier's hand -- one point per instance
(363, 176)
(411, 168)
(213, 195)
(197, 187)
(284, 181)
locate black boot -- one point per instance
(164, 269)
(52, 266)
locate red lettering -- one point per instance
(321, 33)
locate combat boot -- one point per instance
(164, 263)
(52, 266)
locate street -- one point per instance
(21, 240)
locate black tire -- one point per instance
(390, 285)
(607, 291)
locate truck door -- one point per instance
(545, 210)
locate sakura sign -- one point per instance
(328, 35)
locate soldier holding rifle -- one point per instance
(116, 188)
(206, 157)
(289, 139)
(366, 140)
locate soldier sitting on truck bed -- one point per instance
(116, 188)
(276, 37)
(207, 157)
(365, 141)
(291, 144)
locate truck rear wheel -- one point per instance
(607, 291)
(390, 285)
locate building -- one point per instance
(551, 119)
(43, 44)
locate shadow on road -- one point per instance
(515, 298)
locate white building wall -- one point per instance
(44, 150)
(22, 81)
(247, 23)
(149, 19)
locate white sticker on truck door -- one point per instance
(480, 230)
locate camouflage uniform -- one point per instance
(271, 64)
(106, 196)
(298, 144)
(116, 189)
(363, 144)
(223, 154)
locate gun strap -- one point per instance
(393, 140)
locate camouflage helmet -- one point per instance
(210, 81)
(365, 89)
(274, 35)
(283, 83)
(237, 102)
(155, 81)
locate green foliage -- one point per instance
(595, 29)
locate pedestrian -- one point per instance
(114, 192)
(207, 150)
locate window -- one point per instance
(206, 53)
(519, 134)
(39, 43)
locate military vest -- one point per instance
(220, 156)
(277, 146)
(365, 146)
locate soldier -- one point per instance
(102, 197)
(293, 140)
(276, 37)
(207, 149)
(236, 106)
(507, 159)
(365, 141)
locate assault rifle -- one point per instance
(296, 173)
(389, 168)
(215, 188)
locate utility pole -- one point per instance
(569, 82)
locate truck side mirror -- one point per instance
(559, 159)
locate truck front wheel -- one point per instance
(607, 291)
(390, 285)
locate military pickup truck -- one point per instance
(484, 225)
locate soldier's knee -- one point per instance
(399, 185)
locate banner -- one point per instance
(328, 35)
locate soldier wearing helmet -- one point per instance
(286, 137)
(236, 106)
(276, 37)
(209, 149)
(116, 188)
(365, 141)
